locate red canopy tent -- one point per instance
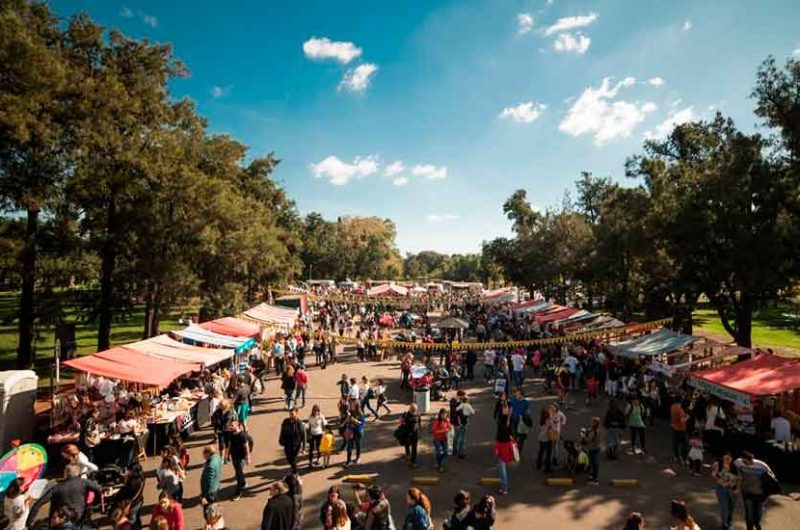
(132, 366)
(233, 327)
(764, 375)
(552, 316)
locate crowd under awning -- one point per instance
(132, 366)
(662, 341)
(764, 375)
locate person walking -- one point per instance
(504, 444)
(678, 418)
(418, 516)
(440, 429)
(316, 428)
(558, 422)
(520, 406)
(470, 359)
(222, 420)
(547, 434)
(592, 443)
(460, 412)
(278, 513)
(291, 438)
(210, 478)
(614, 424)
(752, 475)
(241, 448)
(726, 480)
(409, 426)
(518, 368)
(242, 401)
(288, 384)
(367, 395)
(382, 399)
(462, 506)
(634, 413)
(300, 384)
(354, 434)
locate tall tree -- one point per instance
(34, 139)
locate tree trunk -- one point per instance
(155, 319)
(744, 321)
(148, 311)
(26, 304)
(109, 257)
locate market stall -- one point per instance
(232, 327)
(658, 342)
(755, 389)
(271, 319)
(118, 402)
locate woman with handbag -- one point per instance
(727, 482)
(354, 433)
(408, 432)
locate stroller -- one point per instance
(577, 460)
(111, 478)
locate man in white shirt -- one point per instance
(572, 365)
(488, 364)
(518, 366)
(354, 390)
(559, 421)
(781, 428)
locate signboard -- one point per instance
(721, 392)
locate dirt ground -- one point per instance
(530, 502)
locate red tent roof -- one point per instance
(132, 366)
(233, 327)
(761, 376)
(551, 316)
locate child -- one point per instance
(695, 453)
(326, 446)
(591, 390)
(16, 505)
(213, 517)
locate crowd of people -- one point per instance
(572, 374)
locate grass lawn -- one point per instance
(123, 331)
(777, 328)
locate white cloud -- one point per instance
(357, 79)
(220, 91)
(796, 52)
(324, 48)
(570, 23)
(441, 217)
(400, 181)
(527, 112)
(126, 12)
(150, 20)
(567, 42)
(656, 81)
(598, 113)
(687, 25)
(339, 172)
(663, 129)
(524, 23)
(429, 171)
(394, 169)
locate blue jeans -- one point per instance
(440, 448)
(288, 399)
(488, 371)
(726, 505)
(501, 468)
(753, 510)
(300, 391)
(460, 440)
(238, 468)
(594, 462)
(519, 377)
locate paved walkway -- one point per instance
(530, 502)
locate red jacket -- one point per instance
(174, 517)
(301, 378)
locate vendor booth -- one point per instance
(755, 389)
(232, 327)
(659, 342)
(271, 319)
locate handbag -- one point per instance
(516, 451)
(770, 485)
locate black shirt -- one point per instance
(503, 428)
(240, 443)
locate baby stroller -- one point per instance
(111, 478)
(577, 460)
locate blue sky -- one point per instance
(433, 112)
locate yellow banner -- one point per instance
(566, 339)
